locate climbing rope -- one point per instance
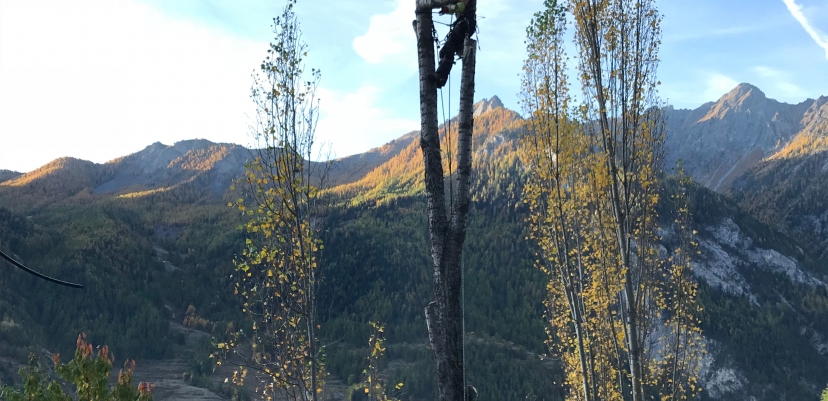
(448, 127)
(463, 323)
(36, 274)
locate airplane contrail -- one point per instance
(820, 38)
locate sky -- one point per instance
(100, 79)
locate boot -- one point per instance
(438, 79)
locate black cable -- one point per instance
(34, 273)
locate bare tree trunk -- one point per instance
(435, 197)
(466, 128)
(444, 316)
(623, 234)
(454, 271)
(313, 351)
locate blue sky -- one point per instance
(99, 79)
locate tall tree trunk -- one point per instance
(454, 272)
(593, 37)
(313, 351)
(444, 316)
(435, 196)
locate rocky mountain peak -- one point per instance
(745, 88)
(743, 99)
(819, 103)
(722, 140)
(486, 105)
(743, 95)
(192, 144)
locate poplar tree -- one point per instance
(277, 274)
(623, 315)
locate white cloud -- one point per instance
(717, 86)
(98, 79)
(796, 11)
(352, 122)
(779, 83)
(390, 37)
(767, 72)
(697, 33)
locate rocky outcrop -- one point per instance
(722, 140)
(487, 105)
(160, 166)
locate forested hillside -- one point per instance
(788, 189)
(150, 235)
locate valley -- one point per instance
(150, 236)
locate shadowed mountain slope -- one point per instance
(789, 189)
(150, 235)
(353, 168)
(494, 144)
(59, 180)
(721, 140)
(6, 175)
(162, 167)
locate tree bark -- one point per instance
(435, 197)
(444, 316)
(466, 129)
(432, 4)
(454, 314)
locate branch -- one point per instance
(464, 155)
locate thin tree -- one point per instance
(447, 224)
(618, 54)
(556, 152)
(623, 318)
(277, 273)
(375, 384)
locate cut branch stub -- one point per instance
(432, 4)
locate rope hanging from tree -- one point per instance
(447, 354)
(36, 274)
(447, 126)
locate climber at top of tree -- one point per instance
(463, 27)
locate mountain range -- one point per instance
(720, 141)
(149, 234)
(768, 156)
